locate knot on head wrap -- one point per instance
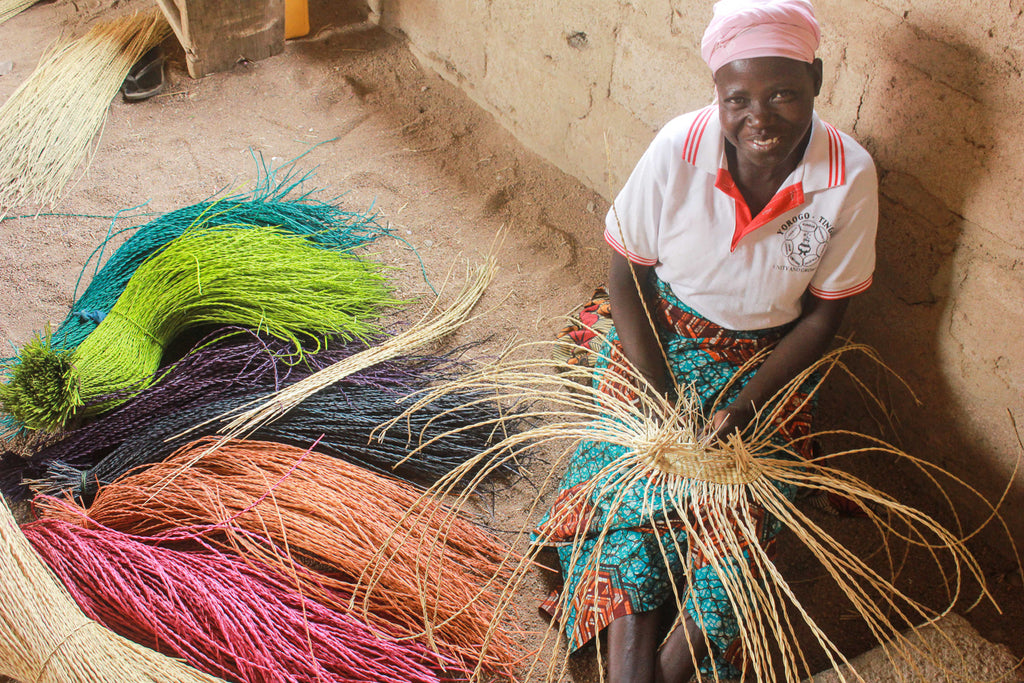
(744, 29)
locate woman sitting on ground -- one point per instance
(748, 225)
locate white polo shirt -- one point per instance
(681, 213)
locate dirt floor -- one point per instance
(381, 133)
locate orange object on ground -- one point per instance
(296, 18)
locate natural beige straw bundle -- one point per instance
(45, 135)
(711, 487)
(8, 8)
(45, 637)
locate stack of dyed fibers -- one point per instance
(227, 617)
(274, 202)
(412, 563)
(344, 574)
(253, 276)
(221, 376)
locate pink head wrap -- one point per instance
(743, 29)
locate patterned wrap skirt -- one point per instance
(634, 570)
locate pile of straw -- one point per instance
(45, 637)
(709, 487)
(408, 562)
(254, 277)
(45, 135)
(220, 614)
(341, 419)
(323, 224)
(9, 8)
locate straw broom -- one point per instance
(253, 276)
(45, 637)
(45, 135)
(707, 485)
(430, 574)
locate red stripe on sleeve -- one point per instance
(631, 257)
(842, 294)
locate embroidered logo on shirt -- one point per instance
(804, 240)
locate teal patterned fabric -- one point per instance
(633, 572)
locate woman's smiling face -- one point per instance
(765, 105)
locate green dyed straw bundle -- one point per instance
(248, 276)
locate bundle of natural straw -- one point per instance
(8, 8)
(224, 616)
(45, 134)
(255, 277)
(408, 561)
(45, 637)
(711, 487)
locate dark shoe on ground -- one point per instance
(146, 77)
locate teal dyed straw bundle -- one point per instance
(249, 276)
(325, 225)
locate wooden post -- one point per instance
(217, 34)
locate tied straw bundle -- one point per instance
(710, 488)
(255, 277)
(9, 8)
(220, 614)
(46, 638)
(342, 419)
(272, 203)
(428, 573)
(227, 363)
(44, 133)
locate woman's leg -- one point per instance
(633, 647)
(681, 653)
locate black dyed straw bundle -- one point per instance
(343, 419)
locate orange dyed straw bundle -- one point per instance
(409, 561)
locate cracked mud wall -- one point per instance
(932, 88)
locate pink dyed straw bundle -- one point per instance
(46, 638)
(411, 562)
(217, 612)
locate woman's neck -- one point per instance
(758, 184)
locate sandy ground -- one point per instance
(380, 132)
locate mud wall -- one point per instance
(932, 88)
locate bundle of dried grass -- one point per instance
(424, 332)
(709, 488)
(9, 8)
(409, 563)
(221, 614)
(45, 637)
(46, 135)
